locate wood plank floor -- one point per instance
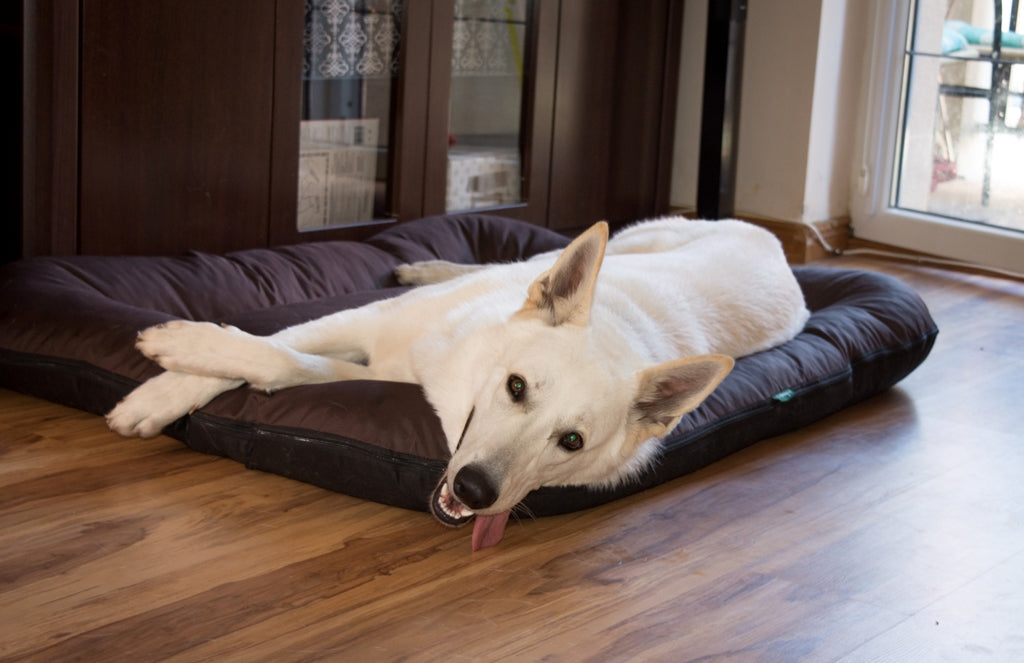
(893, 531)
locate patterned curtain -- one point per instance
(347, 39)
(489, 37)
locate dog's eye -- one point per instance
(571, 441)
(516, 387)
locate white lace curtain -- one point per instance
(347, 39)
(489, 37)
(351, 39)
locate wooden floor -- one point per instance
(893, 531)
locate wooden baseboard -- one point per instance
(800, 243)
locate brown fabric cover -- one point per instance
(67, 329)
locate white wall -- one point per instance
(802, 73)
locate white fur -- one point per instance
(618, 362)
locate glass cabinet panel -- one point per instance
(486, 115)
(349, 80)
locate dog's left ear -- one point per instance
(668, 391)
(564, 293)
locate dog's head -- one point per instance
(549, 412)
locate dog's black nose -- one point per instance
(473, 488)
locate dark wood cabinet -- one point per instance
(164, 126)
(175, 125)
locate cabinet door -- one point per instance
(489, 117)
(351, 87)
(173, 125)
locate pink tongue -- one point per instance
(488, 530)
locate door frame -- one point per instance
(874, 216)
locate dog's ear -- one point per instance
(668, 391)
(564, 293)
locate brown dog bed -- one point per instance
(68, 326)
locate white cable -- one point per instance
(915, 258)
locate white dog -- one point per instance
(542, 372)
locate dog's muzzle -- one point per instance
(471, 489)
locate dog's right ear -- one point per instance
(668, 391)
(564, 293)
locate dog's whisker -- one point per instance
(522, 512)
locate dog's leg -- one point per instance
(432, 271)
(204, 360)
(268, 363)
(162, 399)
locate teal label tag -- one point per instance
(784, 396)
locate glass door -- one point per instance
(350, 72)
(485, 138)
(942, 155)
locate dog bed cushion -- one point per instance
(68, 326)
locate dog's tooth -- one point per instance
(451, 506)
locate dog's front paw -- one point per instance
(180, 345)
(132, 419)
(147, 410)
(162, 400)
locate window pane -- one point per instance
(485, 119)
(962, 146)
(349, 74)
